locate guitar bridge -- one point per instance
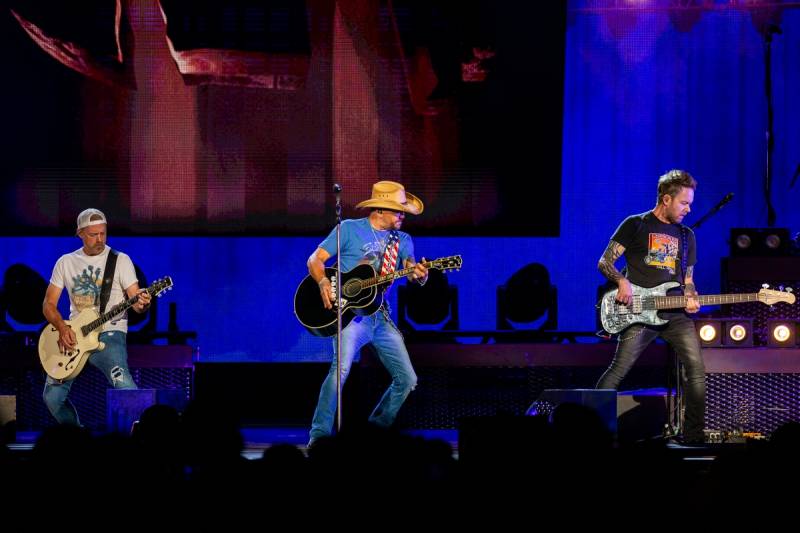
(342, 302)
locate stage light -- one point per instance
(724, 332)
(738, 332)
(781, 333)
(709, 331)
(743, 241)
(759, 242)
(772, 241)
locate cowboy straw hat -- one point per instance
(392, 195)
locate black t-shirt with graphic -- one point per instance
(653, 249)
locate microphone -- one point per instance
(337, 189)
(728, 197)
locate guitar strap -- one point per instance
(684, 253)
(108, 279)
(390, 255)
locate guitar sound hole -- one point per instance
(352, 289)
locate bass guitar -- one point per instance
(647, 302)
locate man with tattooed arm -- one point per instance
(658, 248)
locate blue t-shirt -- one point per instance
(361, 243)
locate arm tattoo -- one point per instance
(690, 288)
(606, 264)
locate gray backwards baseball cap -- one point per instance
(90, 217)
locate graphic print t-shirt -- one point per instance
(653, 249)
(361, 244)
(82, 276)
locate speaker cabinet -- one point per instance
(604, 401)
(641, 414)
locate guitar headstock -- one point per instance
(771, 296)
(444, 264)
(161, 285)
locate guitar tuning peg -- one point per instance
(789, 290)
(765, 286)
(780, 287)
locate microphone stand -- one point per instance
(769, 30)
(337, 191)
(674, 425)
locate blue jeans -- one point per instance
(681, 334)
(388, 343)
(112, 361)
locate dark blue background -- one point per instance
(641, 97)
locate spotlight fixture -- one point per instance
(759, 242)
(781, 333)
(743, 241)
(710, 332)
(738, 332)
(772, 241)
(724, 332)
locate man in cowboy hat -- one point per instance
(376, 240)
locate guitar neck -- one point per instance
(676, 302)
(111, 313)
(388, 278)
